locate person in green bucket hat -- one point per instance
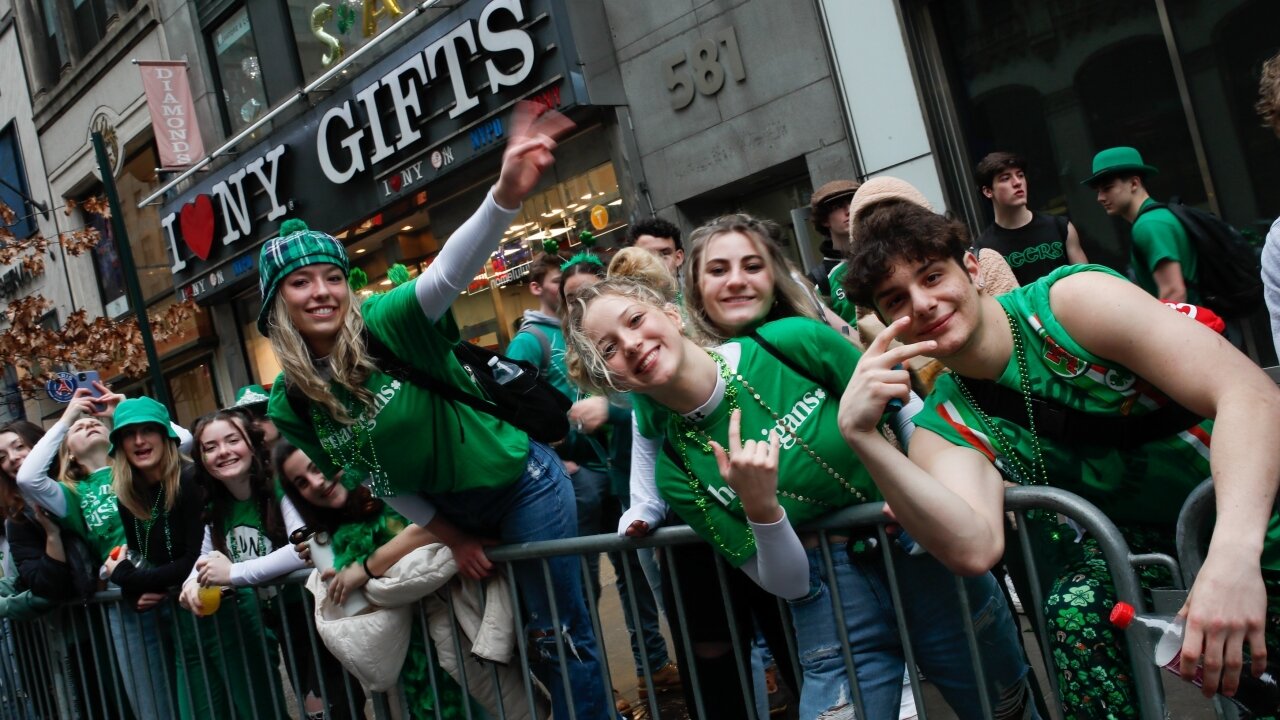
(253, 400)
(161, 508)
(1163, 259)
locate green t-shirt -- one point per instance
(412, 439)
(92, 513)
(1144, 486)
(840, 303)
(246, 533)
(1159, 236)
(802, 412)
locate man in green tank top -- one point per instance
(1086, 339)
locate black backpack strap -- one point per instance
(1060, 423)
(793, 365)
(821, 279)
(387, 361)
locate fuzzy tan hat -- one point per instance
(880, 189)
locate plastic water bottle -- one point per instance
(503, 371)
(322, 557)
(1255, 695)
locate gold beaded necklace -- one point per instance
(1024, 384)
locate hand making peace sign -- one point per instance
(880, 377)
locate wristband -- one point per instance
(369, 573)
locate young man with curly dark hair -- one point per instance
(1082, 381)
(1033, 243)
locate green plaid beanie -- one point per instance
(295, 247)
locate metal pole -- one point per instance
(159, 390)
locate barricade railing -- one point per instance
(97, 660)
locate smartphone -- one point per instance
(86, 379)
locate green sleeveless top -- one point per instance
(1143, 486)
(813, 456)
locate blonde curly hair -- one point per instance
(1268, 106)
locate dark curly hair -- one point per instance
(656, 227)
(894, 231)
(261, 487)
(360, 506)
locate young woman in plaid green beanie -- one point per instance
(459, 472)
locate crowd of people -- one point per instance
(709, 383)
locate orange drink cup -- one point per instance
(210, 600)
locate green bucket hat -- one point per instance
(296, 247)
(139, 411)
(1118, 160)
(252, 397)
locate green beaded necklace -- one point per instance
(690, 432)
(357, 455)
(1024, 474)
(143, 538)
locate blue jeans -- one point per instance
(931, 606)
(591, 494)
(539, 505)
(143, 658)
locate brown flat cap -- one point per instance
(831, 190)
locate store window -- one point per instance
(192, 391)
(326, 32)
(239, 71)
(13, 185)
(56, 42)
(1057, 82)
(150, 252)
(263, 365)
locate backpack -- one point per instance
(528, 402)
(1229, 271)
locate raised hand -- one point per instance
(750, 469)
(531, 140)
(879, 378)
(82, 404)
(106, 400)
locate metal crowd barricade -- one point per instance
(68, 664)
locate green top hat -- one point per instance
(251, 396)
(139, 411)
(1117, 161)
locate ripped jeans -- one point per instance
(931, 606)
(540, 506)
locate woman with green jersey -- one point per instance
(775, 388)
(245, 544)
(88, 509)
(367, 537)
(1136, 395)
(416, 447)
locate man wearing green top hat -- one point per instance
(1163, 258)
(252, 399)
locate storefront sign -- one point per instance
(428, 107)
(173, 118)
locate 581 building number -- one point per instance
(703, 66)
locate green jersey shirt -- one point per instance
(411, 440)
(817, 471)
(1144, 486)
(92, 513)
(1158, 236)
(840, 303)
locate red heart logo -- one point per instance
(396, 182)
(196, 221)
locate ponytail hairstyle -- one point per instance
(790, 296)
(11, 501)
(632, 275)
(361, 505)
(261, 491)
